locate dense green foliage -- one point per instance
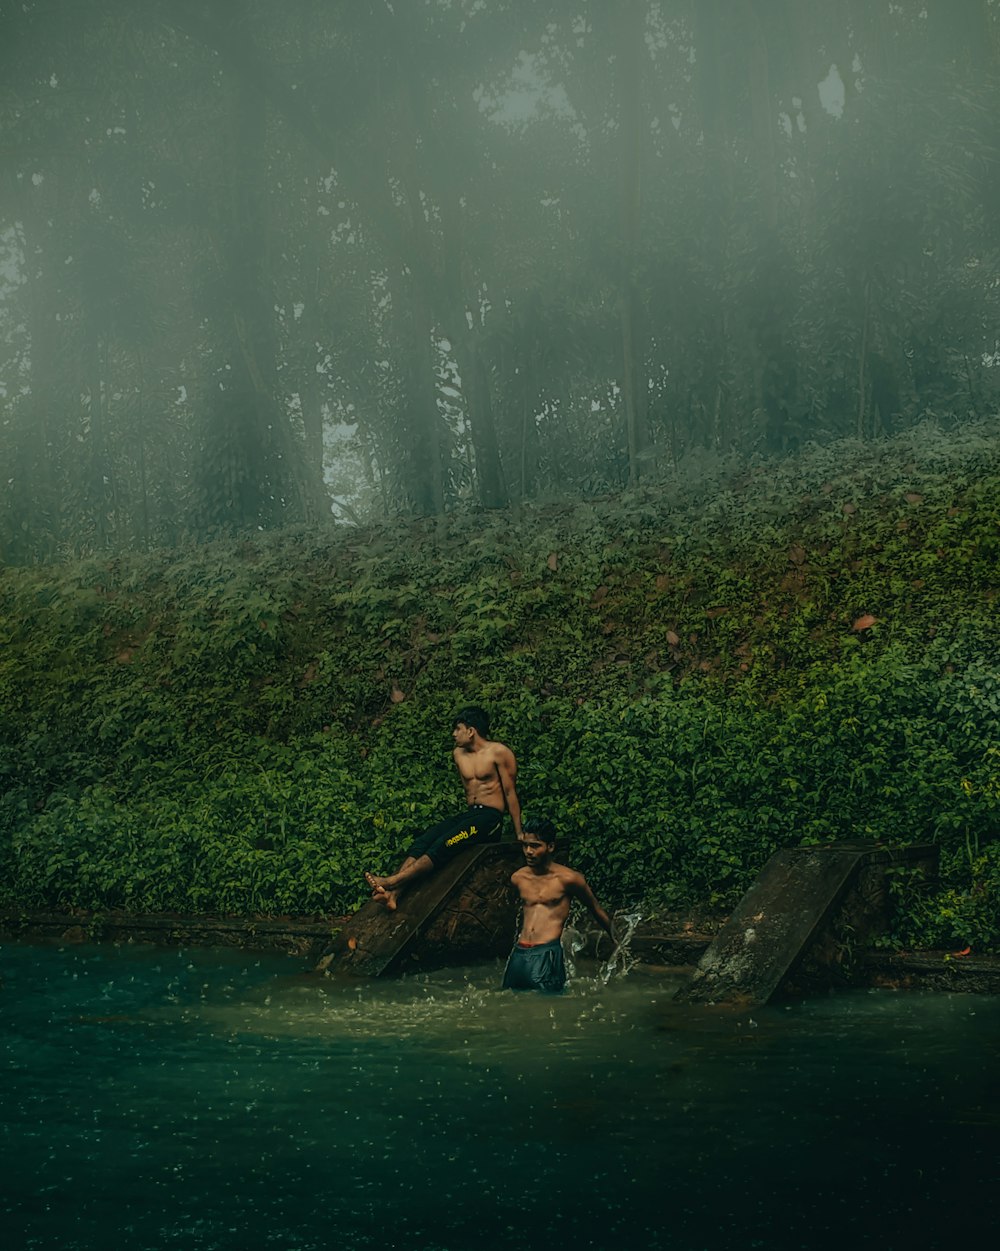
(691, 677)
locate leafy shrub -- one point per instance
(692, 676)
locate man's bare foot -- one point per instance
(380, 892)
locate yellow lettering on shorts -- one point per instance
(461, 836)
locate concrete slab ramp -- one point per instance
(784, 920)
(464, 912)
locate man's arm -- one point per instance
(507, 772)
(579, 887)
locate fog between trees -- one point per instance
(271, 263)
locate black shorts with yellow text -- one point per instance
(477, 824)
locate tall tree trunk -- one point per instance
(866, 322)
(631, 56)
(775, 367)
(489, 468)
(491, 482)
(140, 425)
(315, 494)
(100, 475)
(713, 90)
(445, 285)
(39, 482)
(419, 455)
(524, 354)
(253, 471)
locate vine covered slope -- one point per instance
(692, 675)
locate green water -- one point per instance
(195, 1099)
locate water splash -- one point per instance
(573, 943)
(621, 959)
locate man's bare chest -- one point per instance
(477, 766)
(542, 892)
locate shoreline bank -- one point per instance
(673, 943)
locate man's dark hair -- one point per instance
(542, 828)
(474, 718)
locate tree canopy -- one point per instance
(265, 264)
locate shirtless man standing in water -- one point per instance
(489, 774)
(547, 889)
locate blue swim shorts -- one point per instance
(541, 967)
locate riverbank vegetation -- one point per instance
(693, 674)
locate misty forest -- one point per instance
(629, 367)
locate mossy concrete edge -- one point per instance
(673, 943)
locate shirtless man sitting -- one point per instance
(547, 889)
(489, 774)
